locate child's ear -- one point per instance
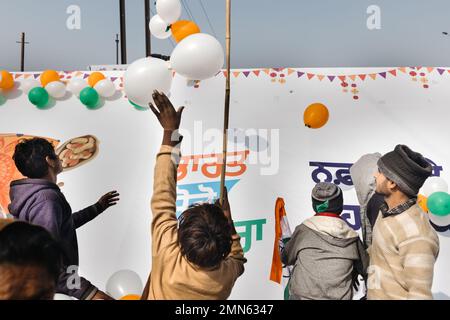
(50, 161)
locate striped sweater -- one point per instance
(402, 256)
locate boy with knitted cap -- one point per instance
(404, 244)
(327, 254)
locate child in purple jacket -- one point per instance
(38, 200)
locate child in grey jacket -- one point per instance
(326, 253)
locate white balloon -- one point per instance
(432, 185)
(168, 10)
(56, 89)
(105, 88)
(29, 84)
(61, 296)
(440, 221)
(197, 57)
(76, 85)
(124, 282)
(158, 28)
(145, 75)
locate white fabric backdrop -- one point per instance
(394, 108)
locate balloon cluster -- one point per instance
(89, 92)
(49, 85)
(197, 56)
(434, 199)
(6, 84)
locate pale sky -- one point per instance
(265, 33)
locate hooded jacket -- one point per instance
(362, 173)
(42, 203)
(326, 254)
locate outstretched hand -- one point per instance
(165, 112)
(107, 200)
(167, 117)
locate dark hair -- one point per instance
(29, 157)
(204, 235)
(23, 244)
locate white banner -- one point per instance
(371, 110)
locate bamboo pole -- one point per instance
(227, 101)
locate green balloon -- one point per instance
(138, 107)
(39, 97)
(439, 203)
(2, 99)
(89, 97)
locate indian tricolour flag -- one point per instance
(281, 273)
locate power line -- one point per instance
(207, 18)
(186, 7)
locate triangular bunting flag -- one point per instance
(373, 76)
(27, 75)
(267, 71)
(320, 77)
(36, 75)
(225, 73)
(78, 73)
(290, 71)
(402, 69)
(17, 76)
(246, 73)
(299, 74)
(113, 79)
(393, 72)
(430, 69)
(236, 73)
(362, 76)
(383, 74)
(352, 77)
(85, 75)
(278, 69)
(441, 71)
(331, 78)
(342, 78)
(256, 72)
(310, 76)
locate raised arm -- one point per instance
(163, 203)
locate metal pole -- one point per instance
(227, 101)
(117, 48)
(123, 36)
(148, 44)
(22, 51)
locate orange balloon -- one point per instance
(49, 76)
(131, 297)
(183, 28)
(315, 116)
(7, 80)
(94, 78)
(422, 202)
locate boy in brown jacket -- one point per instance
(199, 256)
